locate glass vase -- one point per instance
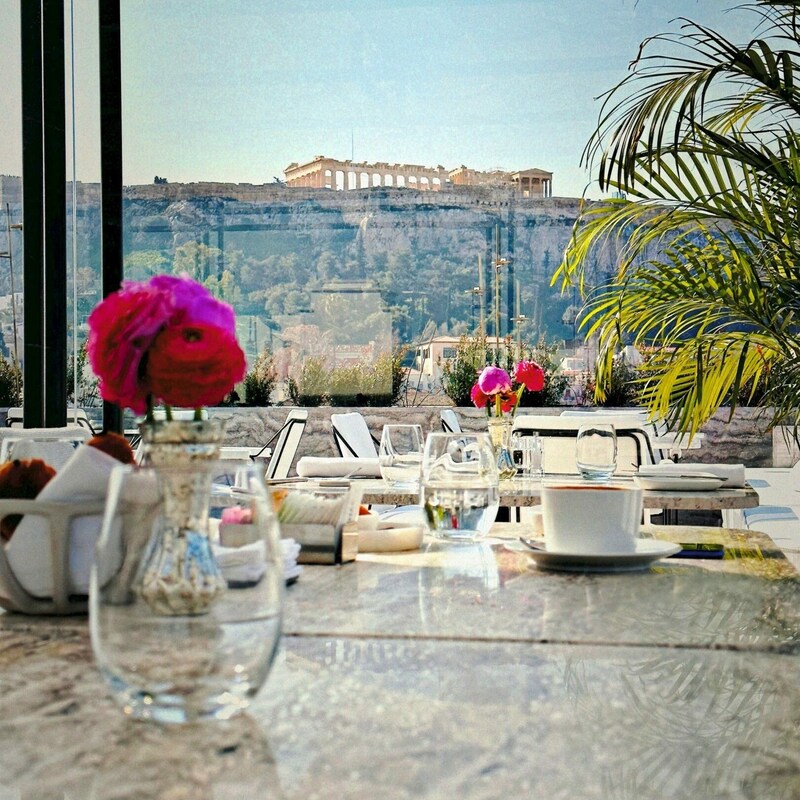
(500, 435)
(185, 625)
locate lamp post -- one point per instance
(476, 292)
(520, 318)
(498, 263)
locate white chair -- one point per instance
(76, 418)
(54, 446)
(450, 423)
(286, 440)
(352, 437)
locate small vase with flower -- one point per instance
(168, 341)
(499, 393)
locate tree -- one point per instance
(702, 142)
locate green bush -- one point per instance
(311, 389)
(460, 373)
(378, 384)
(621, 389)
(10, 383)
(260, 380)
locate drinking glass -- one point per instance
(186, 590)
(596, 452)
(400, 455)
(459, 489)
(529, 455)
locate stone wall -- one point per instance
(745, 439)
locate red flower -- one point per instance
(530, 375)
(479, 399)
(508, 401)
(194, 365)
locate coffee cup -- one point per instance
(591, 520)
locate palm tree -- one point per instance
(702, 144)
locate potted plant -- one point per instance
(702, 144)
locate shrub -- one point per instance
(460, 373)
(260, 380)
(378, 384)
(10, 383)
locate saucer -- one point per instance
(647, 551)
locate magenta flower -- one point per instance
(494, 380)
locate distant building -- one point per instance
(329, 173)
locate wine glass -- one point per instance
(400, 455)
(596, 452)
(459, 489)
(162, 658)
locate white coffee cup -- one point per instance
(589, 520)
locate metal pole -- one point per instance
(32, 211)
(55, 223)
(111, 165)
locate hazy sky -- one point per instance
(235, 90)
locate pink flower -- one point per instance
(192, 304)
(494, 380)
(236, 515)
(530, 375)
(479, 399)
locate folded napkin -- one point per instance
(734, 473)
(246, 565)
(84, 477)
(320, 467)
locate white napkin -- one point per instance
(83, 477)
(733, 472)
(338, 467)
(246, 564)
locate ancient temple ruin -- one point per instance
(330, 173)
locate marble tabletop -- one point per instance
(455, 672)
(524, 492)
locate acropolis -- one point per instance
(330, 173)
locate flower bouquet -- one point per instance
(164, 341)
(495, 390)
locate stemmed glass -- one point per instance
(459, 489)
(596, 452)
(400, 455)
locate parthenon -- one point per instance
(330, 173)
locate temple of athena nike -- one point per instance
(329, 173)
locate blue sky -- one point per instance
(234, 90)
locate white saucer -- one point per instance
(647, 551)
(701, 482)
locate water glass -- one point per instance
(459, 490)
(596, 452)
(186, 590)
(400, 455)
